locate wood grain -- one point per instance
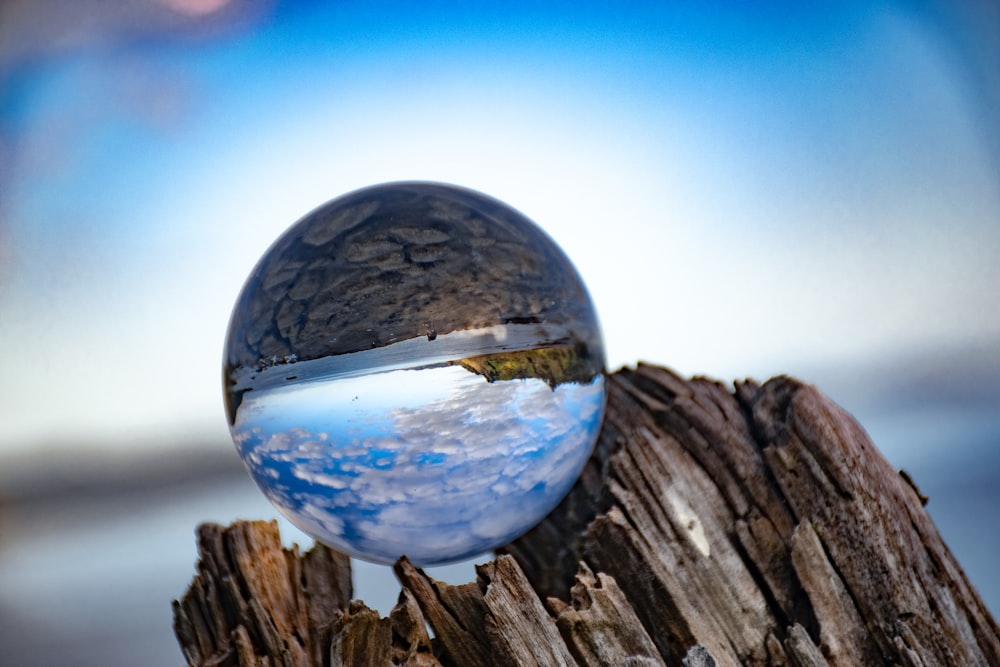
(752, 525)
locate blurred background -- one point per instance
(806, 188)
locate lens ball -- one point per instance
(414, 369)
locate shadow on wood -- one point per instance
(711, 527)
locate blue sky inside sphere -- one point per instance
(435, 463)
(744, 190)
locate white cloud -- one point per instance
(442, 481)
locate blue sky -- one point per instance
(809, 188)
(435, 463)
(745, 191)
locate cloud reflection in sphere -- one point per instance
(414, 369)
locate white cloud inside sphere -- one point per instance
(472, 468)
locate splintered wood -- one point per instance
(711, 527)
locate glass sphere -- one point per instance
(414, 369)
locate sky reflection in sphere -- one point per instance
(414, 369)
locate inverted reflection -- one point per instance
(414, 369)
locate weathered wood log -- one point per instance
(758, 526)
(254, 603)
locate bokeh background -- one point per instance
(801, 188)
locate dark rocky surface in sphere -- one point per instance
(400, 261)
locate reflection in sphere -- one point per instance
(415, 369)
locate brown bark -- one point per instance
(758, 526)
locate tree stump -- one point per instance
(758, 526)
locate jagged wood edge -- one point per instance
(758, 526)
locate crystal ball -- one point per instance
(414, 369)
